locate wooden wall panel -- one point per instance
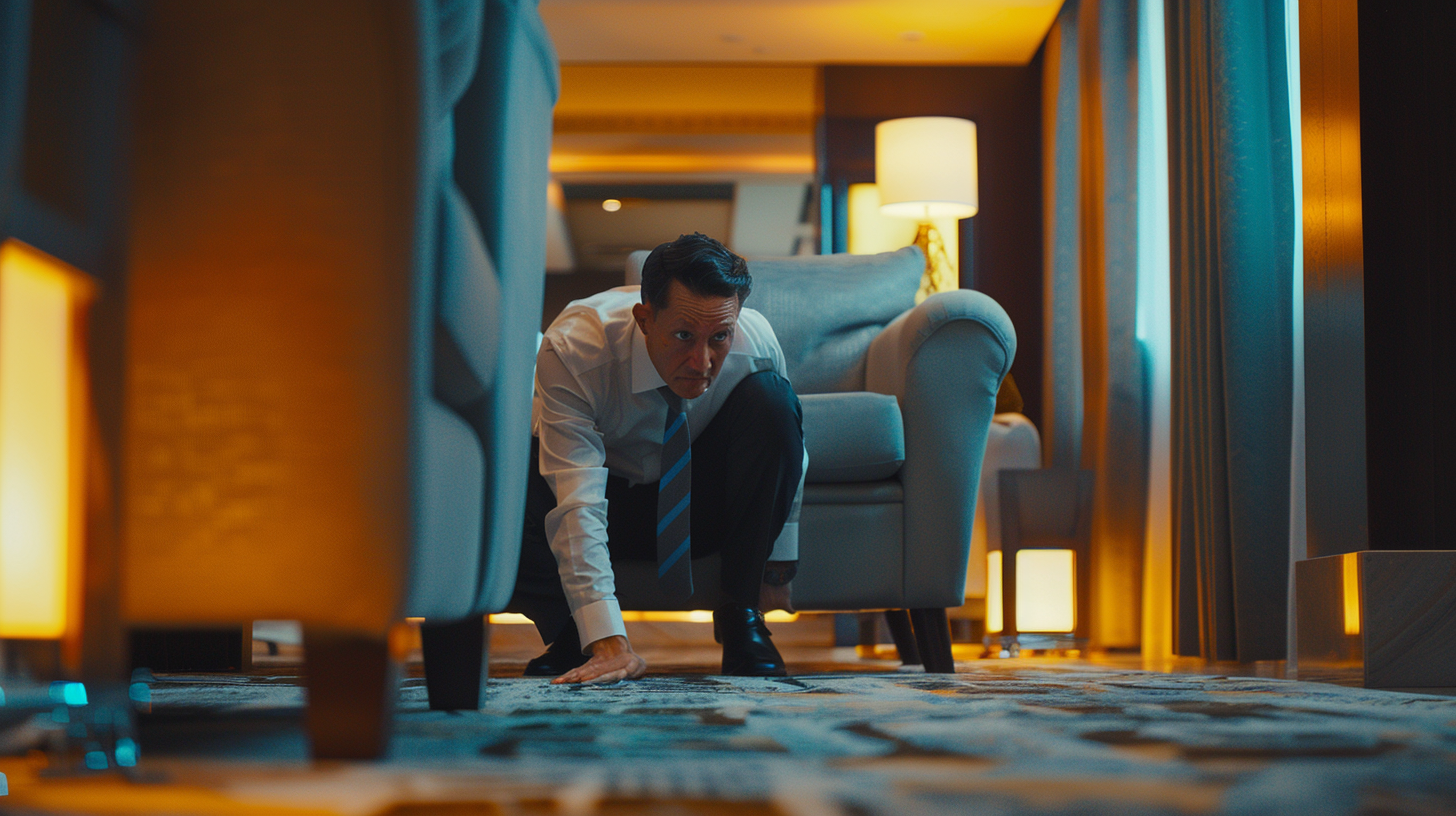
(1408, 170)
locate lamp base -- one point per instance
(1008, 646)
(940, 275)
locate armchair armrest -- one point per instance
(943, 360)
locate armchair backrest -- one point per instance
(826, 309)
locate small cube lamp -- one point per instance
(1038, 577)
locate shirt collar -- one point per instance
(644, 373)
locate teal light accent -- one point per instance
(2, 696)
(826, 219)
(96, 760)
(71, 694)
(4, 785)
(139, 693)
(1154, 309)
(126, 753)
(60, 714)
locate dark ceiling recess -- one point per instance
(644, 216)
(648, 215)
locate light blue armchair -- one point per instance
(898, 400)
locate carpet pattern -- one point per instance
(995, 739)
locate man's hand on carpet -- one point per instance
(775, 597)
(612, 660)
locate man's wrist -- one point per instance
(779, 573)
(612, 645)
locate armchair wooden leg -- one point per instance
(904, 636)
(455, 662)
(352, 686)
(932, 634)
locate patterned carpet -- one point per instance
(998, 738)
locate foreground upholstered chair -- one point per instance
(898, 400)
(502, 143)
(333, 294)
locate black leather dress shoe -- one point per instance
(747, 649)
(563, 655)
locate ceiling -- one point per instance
(708, 120)
(966, 32)
(668, 91)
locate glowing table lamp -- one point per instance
(42, 388)
(925, 168)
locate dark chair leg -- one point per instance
(869, 633)
(904, 636)
(932, 633)
(455, 663)
(352, 686)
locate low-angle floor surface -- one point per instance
(843, 735)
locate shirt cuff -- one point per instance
(597, 620)
(786, 548)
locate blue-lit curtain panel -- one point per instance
(1231, 201)
(1096, 416)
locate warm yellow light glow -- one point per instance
(1350, 567)
(672, 93)
(1045, 590)
(995, 621)
(695, 616)
(611, 205)
(37, 452)
(871, 231)
(799, 32)
(789, 163)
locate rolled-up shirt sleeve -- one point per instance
(573, 462)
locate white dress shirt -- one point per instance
(597, 411)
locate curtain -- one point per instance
(1095, 372)
(1231, 213)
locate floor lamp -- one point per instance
(925, 167)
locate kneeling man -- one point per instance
(664, 430)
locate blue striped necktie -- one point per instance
(674, 495)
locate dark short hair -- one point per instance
(701, 264)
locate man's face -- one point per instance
(688, 339)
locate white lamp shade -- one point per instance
(925, 167)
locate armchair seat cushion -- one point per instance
(854, 436)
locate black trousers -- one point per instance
(746, 469)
